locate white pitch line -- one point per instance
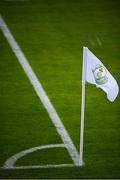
(41, 166)
(12, 160)
(10, 163)
(40, 92)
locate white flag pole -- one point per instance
(81, 162)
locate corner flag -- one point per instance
(96, 73)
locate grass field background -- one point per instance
(52, 34)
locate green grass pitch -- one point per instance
(52, 34)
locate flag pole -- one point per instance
(82, 124)
(81, 162)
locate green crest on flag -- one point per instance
(100, 73)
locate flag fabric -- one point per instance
(95, 72)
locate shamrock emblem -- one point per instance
(100, 73)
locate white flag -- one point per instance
(96, 73)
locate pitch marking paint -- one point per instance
(10, 163)
(40, 92)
